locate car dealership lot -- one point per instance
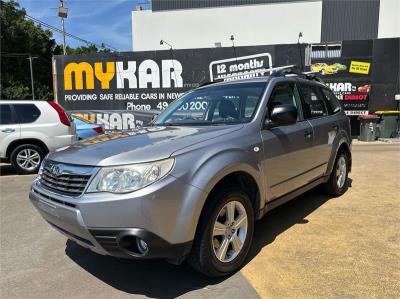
(314, 246)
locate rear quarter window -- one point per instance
(26, 113)
(5, 115)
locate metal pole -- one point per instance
(63, 31)
(33, 88)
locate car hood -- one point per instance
(139, 145)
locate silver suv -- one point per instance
(192, 184)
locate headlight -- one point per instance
(40, 172)
(124, 179)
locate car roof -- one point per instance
(263, 79)
(266, 79)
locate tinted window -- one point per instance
(250, 106)
(214, 105)
(283, 94)
(5, 115)
(221, 106)
(313, 102)
(331, 101)
(26, 113)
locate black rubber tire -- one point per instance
(14, 154)
(331, 187)
(202, 257)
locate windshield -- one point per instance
(214, 105)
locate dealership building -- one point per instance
(178, 45)
(333, 32)
(210, 23)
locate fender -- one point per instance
(343, 140)
(207, 171)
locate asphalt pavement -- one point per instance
(315, 246)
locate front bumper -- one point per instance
(160, 214)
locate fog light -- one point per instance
(142, 246)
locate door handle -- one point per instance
(8, 130)
(308, 134)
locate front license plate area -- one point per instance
(48, 208)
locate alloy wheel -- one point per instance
(28, 159)
(229, 231)
(341, 172)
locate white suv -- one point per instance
(31, 129)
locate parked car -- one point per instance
(339, 66)
(364, 88)
(191, 185)
(324, 68)
(31, 129)
(85, 129)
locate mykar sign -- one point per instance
(125, 75)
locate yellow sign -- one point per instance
(359, 67)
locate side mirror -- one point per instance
(282, 115)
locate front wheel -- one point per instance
(224, 234)
(337, 184)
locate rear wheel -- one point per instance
(337, 184)
(26, 158)
(224, 234)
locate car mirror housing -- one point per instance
(282, 115)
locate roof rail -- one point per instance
(285, 70)
(243, 76)
(295, 71)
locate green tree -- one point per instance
(85, 50)
(19, 39)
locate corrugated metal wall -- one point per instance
(158, 5)
(349, 20)
(341, 19)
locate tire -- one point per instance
(203, 257)
(34, 158)
(334, 186)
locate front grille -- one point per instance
(67, 182)
(61, 202)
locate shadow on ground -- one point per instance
(155, 278)
(7, 169)
(151, 278)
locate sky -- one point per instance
(98, 21)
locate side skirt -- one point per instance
(285, 198)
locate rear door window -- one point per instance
(331, 102)
(26, 113)
(6, 115)
(313, 101)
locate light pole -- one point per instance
(30, 58)
(301, 56)
(63, 13)
(162, 42)
(233, 46)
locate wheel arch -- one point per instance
(26, 141)
(245, 181)
(237, 176)
(343, 146)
